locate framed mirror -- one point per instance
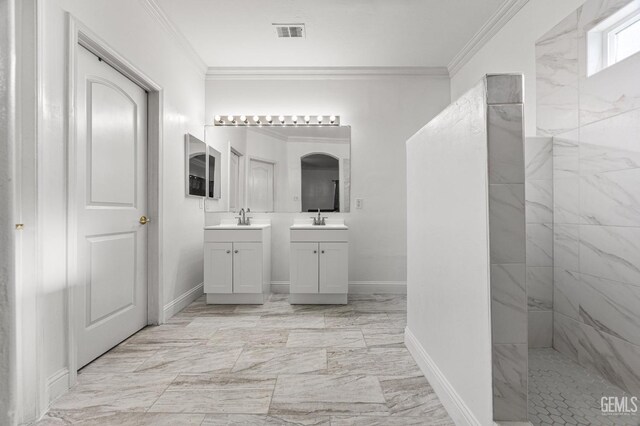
(284, 168)
(196, 166)
(203, 169)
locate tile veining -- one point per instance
(276, 364)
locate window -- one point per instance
(624, 40)
(614, 39)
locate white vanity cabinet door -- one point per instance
(304, 268)
(247, 267)
(334, 269)
(218, 268)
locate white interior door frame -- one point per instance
(80, 35)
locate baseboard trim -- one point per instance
(373, 287)
(456, 407)
(182, 301)
(57, 385)
(355, 287)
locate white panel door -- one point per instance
(247, 267)
(110, 187)
(334, 269)
(218, 268)
(260, 186)
(304, 268)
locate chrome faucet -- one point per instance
(319, 220)
(243, 219)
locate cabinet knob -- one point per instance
(235, 251)
(315, 251)
(322, 252)
(228, 251)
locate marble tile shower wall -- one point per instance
(507, 236)
(539, 218)
(595, 125)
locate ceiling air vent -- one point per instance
(290, 30)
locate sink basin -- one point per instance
(328, 226)
(237, 227)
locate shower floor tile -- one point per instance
(561, 392)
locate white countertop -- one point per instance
(234, 226)
(328, 226)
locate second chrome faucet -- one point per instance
(319, 220)
(243, 219)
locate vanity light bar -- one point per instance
(279, 120)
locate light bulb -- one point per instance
(243, 118)
(256, 119)
(269, 119)
(294, 119)
(281, 118)
(319, 119)
(218, 119)
(332, 119)
(307, 119)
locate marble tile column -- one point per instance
(507, 235)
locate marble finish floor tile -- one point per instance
(269, 361)
(171, 335)
(412, 397)
(328, 394)
(291, 321)
(389, 421)
(384, 337)
(216, 394)
(271, 364)
(326, 338)
(122, 359)
(81, 418)
(224, 321)
(250, 337)
(359, 320)
(114, 392)
(258, 420)
(197, 359)
(372, 361)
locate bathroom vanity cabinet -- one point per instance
(237, 263)
(319, 264)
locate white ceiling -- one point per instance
(340, 33)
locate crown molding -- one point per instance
(158, 14)
(496, 22)
(312, 73)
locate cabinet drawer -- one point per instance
(320, 235)
(226, 235)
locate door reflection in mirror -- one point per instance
(320, 187)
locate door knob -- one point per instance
(144, 220)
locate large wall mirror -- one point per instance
(285, 168)
(203, 169)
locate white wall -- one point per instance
(448, 297)
(382, 112)
(131, 31)
(512, 50)
(8, 67)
